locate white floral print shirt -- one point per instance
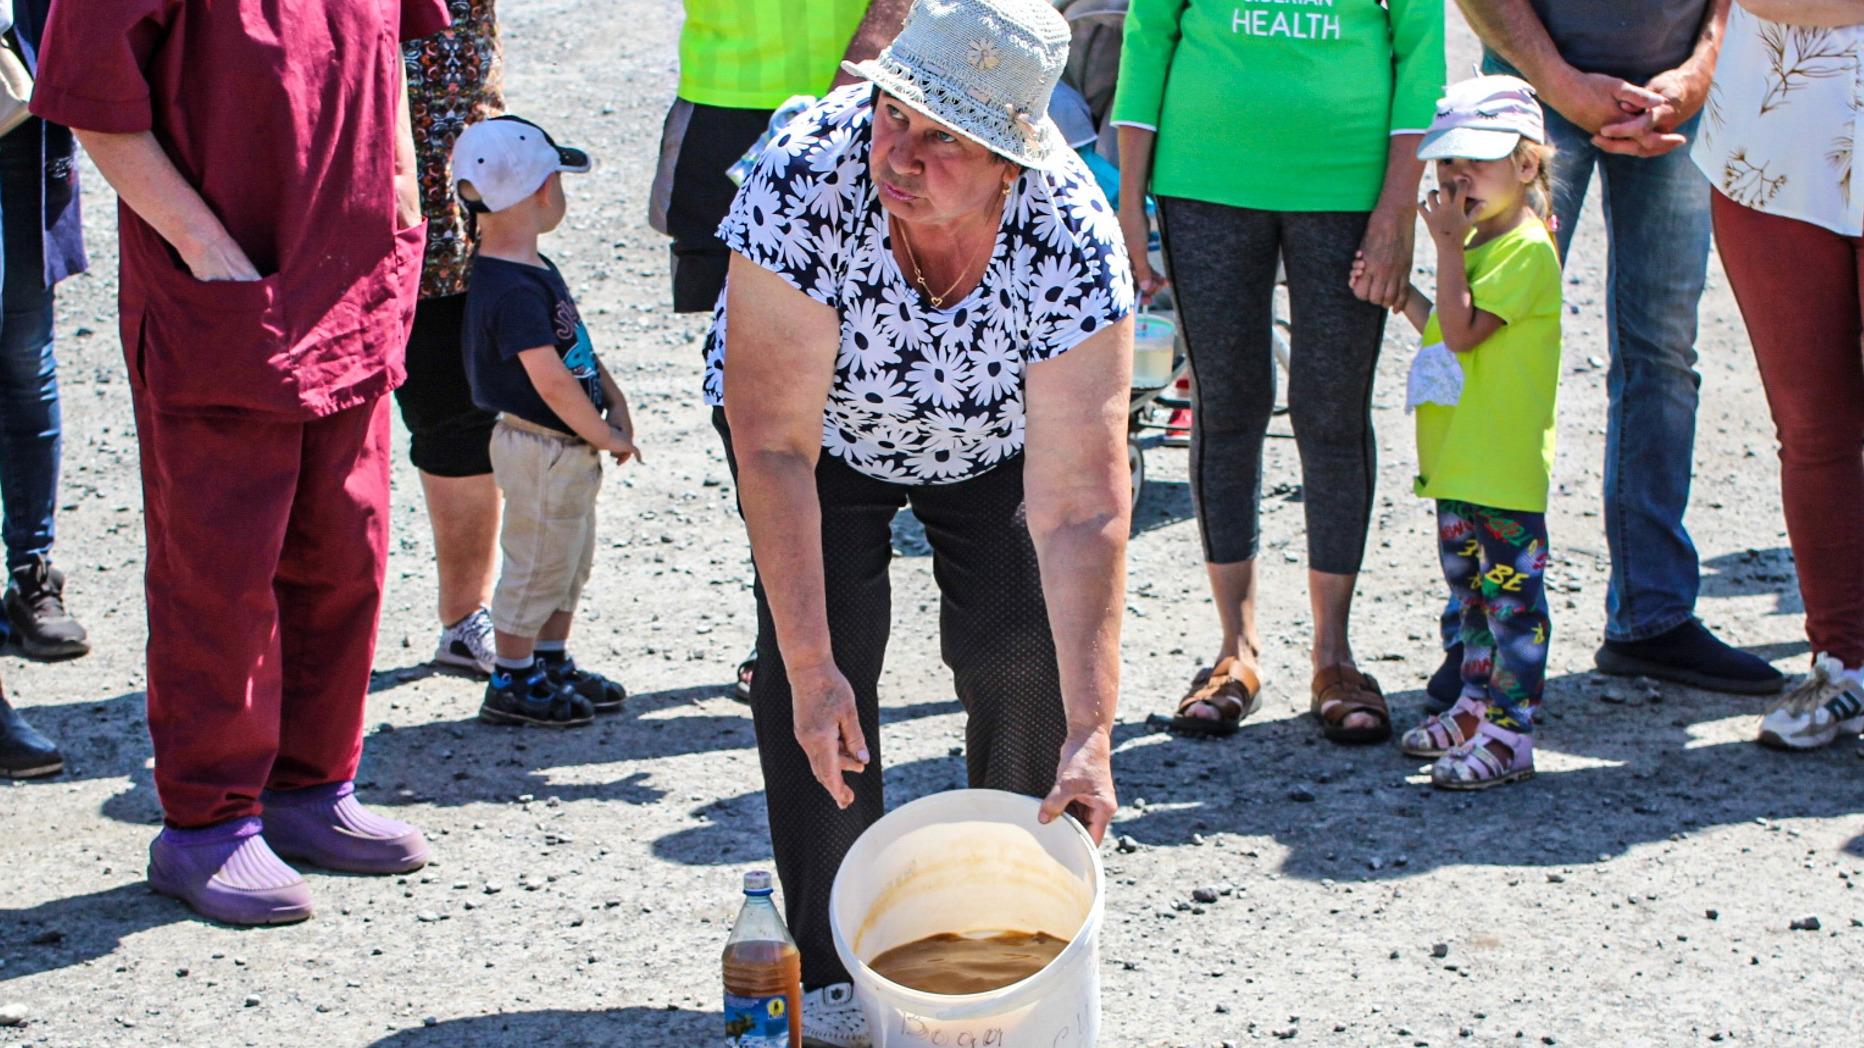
(922, 395)
(1781, 124)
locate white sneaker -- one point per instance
(832, 1018)
(467, 644)
(1817, 710)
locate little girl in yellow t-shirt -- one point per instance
(1484, 386)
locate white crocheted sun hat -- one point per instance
(984, 68)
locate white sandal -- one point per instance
(1442, 732)
(1475, 766)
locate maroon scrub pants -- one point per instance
(267, 545)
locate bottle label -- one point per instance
(757, 1022)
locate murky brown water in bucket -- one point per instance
(958, 964)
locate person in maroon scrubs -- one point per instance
(271, 254)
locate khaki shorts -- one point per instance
(550, 481)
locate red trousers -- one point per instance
(267, 545)
(1801, 291)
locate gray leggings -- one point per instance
(1222, 262)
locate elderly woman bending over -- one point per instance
(928, 306)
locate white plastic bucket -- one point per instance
(1155, 337)
(973, 861)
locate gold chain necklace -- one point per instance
(919, 278)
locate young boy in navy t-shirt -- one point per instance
(528, 358)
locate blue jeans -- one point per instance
(1657, 236)
(29, 418)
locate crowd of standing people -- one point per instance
(921, 297)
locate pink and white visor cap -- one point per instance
(1483, 119)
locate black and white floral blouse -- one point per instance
(922, 395)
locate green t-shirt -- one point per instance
(755, 54)
(1278, 105)
(1495, 447)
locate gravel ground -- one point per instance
(1643, 890)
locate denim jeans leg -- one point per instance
(29, 416)
(1575, 158)
(29, 420)
(1657, 219)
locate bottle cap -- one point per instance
(757, 882)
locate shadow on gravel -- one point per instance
(445, 762)
(82, 928)
(565, 1029)
(735, 829)
(101, 739)
(457, 762)
(1370, 814)
(1756, 571)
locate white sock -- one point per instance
(551, 645)
(514, 665)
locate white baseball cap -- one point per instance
(506, 158)
(1483, 118)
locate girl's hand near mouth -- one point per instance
(1448, 214)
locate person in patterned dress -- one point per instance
(452, 82)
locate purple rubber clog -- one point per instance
(327, 826)
(227, 872)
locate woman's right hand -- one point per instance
(219, 258)
(828, 728)
(1146, 281)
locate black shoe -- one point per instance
(532, 700)
(1691, 655)
(606, 696)
(35, 607)
(24, 753)
(1446, 685)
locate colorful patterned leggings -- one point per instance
(1494, 561)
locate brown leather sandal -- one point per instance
(1340, 692)
(1230, 688)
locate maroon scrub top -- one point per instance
(282, 114)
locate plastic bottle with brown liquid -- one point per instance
(763, 974)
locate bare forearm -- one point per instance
(1822, 13)
(147, 180)
(1135, 145)
(407, 165)
(564, 395)
(1714, 27)
(778, 494)
(1511, 29)
(1456, 308)
(1404, 172)
(1417, 308)
(878, 28)
(617, 402)
(1084, 583)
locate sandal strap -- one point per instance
(1227, 705)
(1226, 687)
(1487, 764)
(1341, 691)
(1482, 762)
(1443, 731)
(1453, 731)
(1238, 671)
(1514, 740)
